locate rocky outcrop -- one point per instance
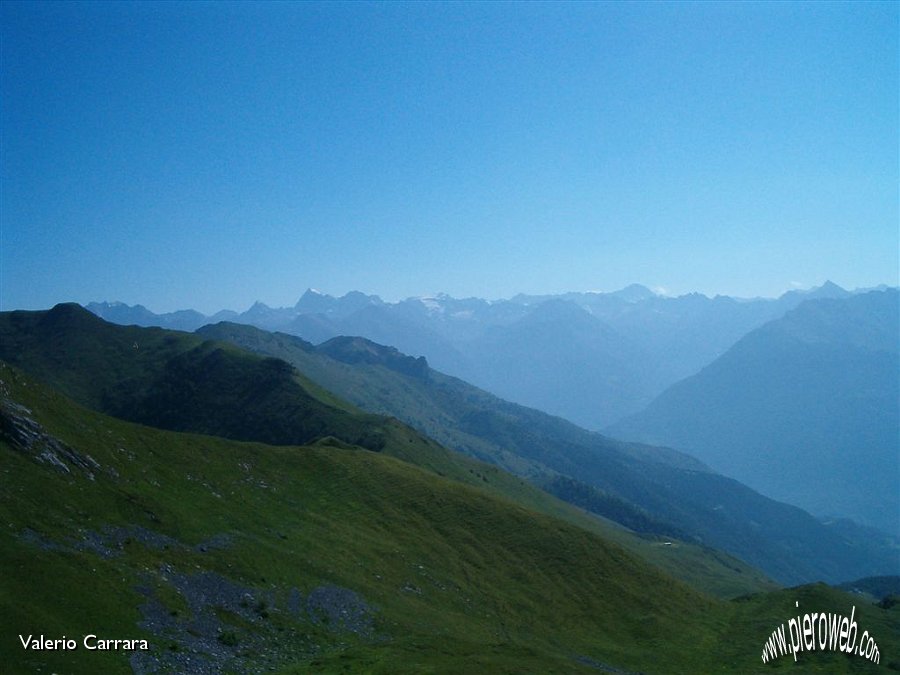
(28, 436)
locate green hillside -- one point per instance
(178, 381)
(643, 487)
(240, 557)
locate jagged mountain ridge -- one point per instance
(641, 344)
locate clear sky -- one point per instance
(207, 155)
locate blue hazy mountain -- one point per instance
(593, 358)
(138, 315)
(803, 409)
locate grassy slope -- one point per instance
(433, 407)
(789, 544)
(173, 380)
(183, 382)
(495, 581)
(462, 581)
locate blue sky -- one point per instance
(208, 155)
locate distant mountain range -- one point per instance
(805, 409)
(593, 358)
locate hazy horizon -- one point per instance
(661, 292)
(209, 155)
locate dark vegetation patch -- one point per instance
(609, 506)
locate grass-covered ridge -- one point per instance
(326, 558)
(179, 381)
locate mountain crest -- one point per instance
(313, 302)
(70, 314)
(634, 293)
(829, 290)
(356, 350)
